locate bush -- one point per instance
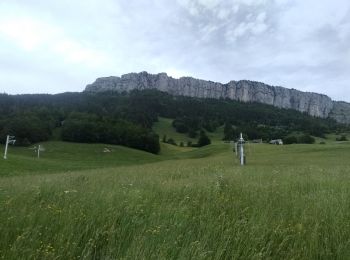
(342, 138)
(171, 141)
(290, 140)
(306, 139)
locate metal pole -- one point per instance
(6, 146)
(39, 151)
(241, 141)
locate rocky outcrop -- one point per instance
(247, 91)
(341, 112)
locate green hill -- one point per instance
(68, 157)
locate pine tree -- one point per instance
(203, 139)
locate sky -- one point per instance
(49, 46)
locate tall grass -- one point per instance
(289, 202)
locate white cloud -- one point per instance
(34, 35)
(235, 8)
(64, 45)
(261, 17)
(223, 14)
(248, 28)
(251, 2)
(258, 28)
(26, 33)
(209, 4)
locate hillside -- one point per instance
(70, 157)
(246, 91)
(130, 119)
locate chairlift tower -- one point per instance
(9, 140)
(240, 150)
(40, 149)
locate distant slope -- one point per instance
(247, 91)
(164, 127)
(63, 157)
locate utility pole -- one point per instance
(9, 139)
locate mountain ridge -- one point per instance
(314, 104)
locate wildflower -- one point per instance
(70, 191)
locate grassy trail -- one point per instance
(289, 202)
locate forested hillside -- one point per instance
(127, 118)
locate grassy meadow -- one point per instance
(80, 202)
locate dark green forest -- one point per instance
(127, 118)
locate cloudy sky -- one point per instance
(49, 46)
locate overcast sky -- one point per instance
(57, 46)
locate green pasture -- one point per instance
(80, 202)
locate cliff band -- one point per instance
(247, 91)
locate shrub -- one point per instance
(342, 138)
(290, 140)
(171, 141)
(306, 139)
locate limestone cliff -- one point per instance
(341, 112)
(247, 91)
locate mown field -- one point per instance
(79, 202)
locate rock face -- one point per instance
(341, 112)
(246, 91)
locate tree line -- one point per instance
(127, 118)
